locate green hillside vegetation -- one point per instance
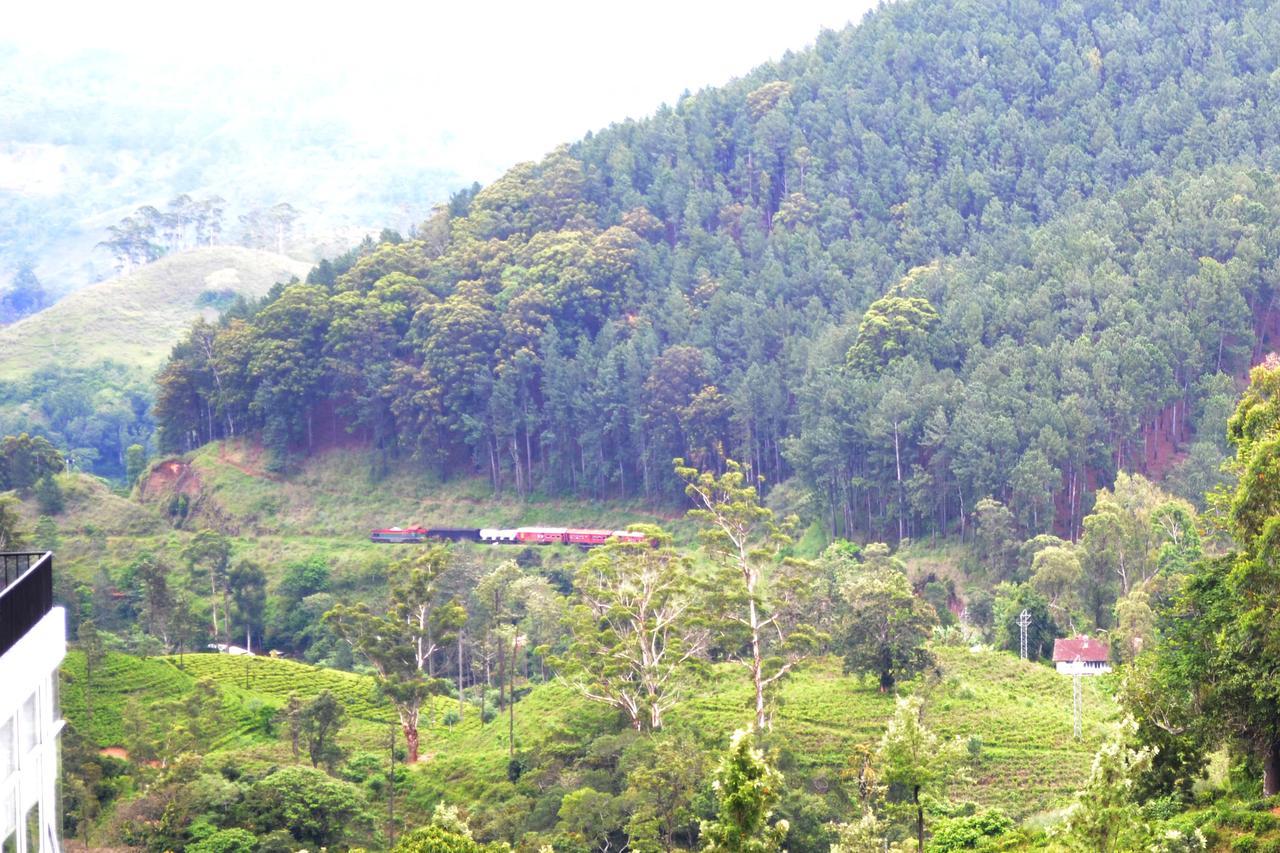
(338, 494)
(1012, 718)
(136, 319)
(977, 281)
(322, 512)
(1025, 760)
(80, 372)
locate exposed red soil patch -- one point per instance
(172, 476)
(115, 752)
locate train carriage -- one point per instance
(588, 538)
(582, 537)
(542, 535)
(399, 534)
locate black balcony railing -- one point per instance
(26, 593)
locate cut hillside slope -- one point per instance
(136, 319)
(333, 494)
(324, 510)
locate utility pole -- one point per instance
(1077, 700)
(391, 788)
(1024, 622)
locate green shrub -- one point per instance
(964, 833)
(434, 839)
(314, 808)
(226, 841)
(1162, 808)
(1244, 844)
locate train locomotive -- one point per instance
(581, 537)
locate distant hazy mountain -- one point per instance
(137, 318)
(86, 142)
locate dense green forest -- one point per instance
(964, 250)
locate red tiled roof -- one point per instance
(1066, 651)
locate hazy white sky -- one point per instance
(481, 85)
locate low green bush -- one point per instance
(964, 833)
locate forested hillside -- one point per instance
(966, 249)
(80, 372)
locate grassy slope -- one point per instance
(1029, 760)
(1021, 713)
(335, 496)
(136, 319)
(327, 509)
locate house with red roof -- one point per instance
(1081, 656)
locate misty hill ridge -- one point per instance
(136, 318)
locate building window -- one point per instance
(8, 817)
(34, 836)
(8, 751)
(28, 726)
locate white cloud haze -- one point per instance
(474, 87)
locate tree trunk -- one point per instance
(411, 742)
(1271, 771)
(528, 452)
(757, 664)
(915, 796)
(502, 671)
(511, 703)
(213, 602)
(461, 696)
(897, 459)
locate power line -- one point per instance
(1024, 620)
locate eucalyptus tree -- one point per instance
(760, 594)
(399, 642)
(637, 631)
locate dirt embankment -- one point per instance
(170, 478)
(175, 486)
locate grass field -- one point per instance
(137, 318)
(1028, 760)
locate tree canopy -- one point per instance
(873, 265)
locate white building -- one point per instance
(1081, 656)
(32, 645)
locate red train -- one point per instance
(582, 537)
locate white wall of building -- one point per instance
(30, 722)
(1079, 667)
